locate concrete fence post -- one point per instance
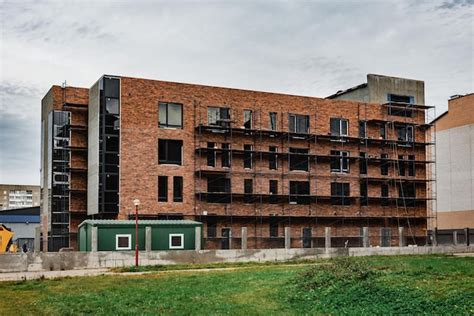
(455, 237)
(94, 239)
(287, 237)
(327, 235)
(244, 238)
(365, 237)
(466, 233)
(401, 236)
(148, 238)
(37, 244)
(435, 236)
(197, 238)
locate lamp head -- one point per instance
(136, 202)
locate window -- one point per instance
(405, 133)
(226, 156)
(364, 199)
(176, 241)
(340, 193)
(299, 159)
(218, 184)
(273, 121)
(363, 163)
(411, 166)
(112, 106)
(383, 132)
(162, 189)
(218, 116)
(247, 119)
(272, 158)
(384, 163)
(401, 105)
(170, 151)
(362, 129)
(299, 192)
(248, 190)
(273, 227)
(170, 115)
(407, 194)
(339, 161)
(248, 156)
(401, 166)
(211, 155)
(123, 242)
(384, 194)
(298, 123)
(339, 127)
(273, 189)
(211, 229)
(177, 189)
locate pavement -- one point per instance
(21, 276)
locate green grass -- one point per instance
(217, 265)
(394, 285)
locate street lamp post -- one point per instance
(136, 202)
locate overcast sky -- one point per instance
(310, 48)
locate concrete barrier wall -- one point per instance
(49, 261)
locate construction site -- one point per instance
(262, 164)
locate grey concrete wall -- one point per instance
(49, 261)
(361, 94)
(455, 169)
(380, 86)
(93, 151)
(23, 230)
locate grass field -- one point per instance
(391, 285)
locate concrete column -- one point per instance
(434, 237)
(401, 236)
(455, 237)
(37, 243)
(365, 237)
(466, 233)
(148, 238)
(327, 235)
(197, 238)
(287, 237)
(244, 238)
(94, 239)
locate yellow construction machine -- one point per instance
(6, 236)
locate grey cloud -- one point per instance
(19, 158)
(452, 4)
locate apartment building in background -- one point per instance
(455, 163)
(19, 196)
(233, 158)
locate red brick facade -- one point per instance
(139, 167)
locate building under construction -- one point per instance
(233, 158)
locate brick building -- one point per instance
(233, 158)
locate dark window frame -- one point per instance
(273, 158)
(223, 115)
(336, 126)
(273, 121)
(340, 193)
(340, 162)
(166, 151)
(178, 189)
(298, 123)
(162, 188)
(248, 122)
(166, 124)
(298, 159)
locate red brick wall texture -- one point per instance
(139, 168)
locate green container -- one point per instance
(119, 235)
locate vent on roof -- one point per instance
(455, 96)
